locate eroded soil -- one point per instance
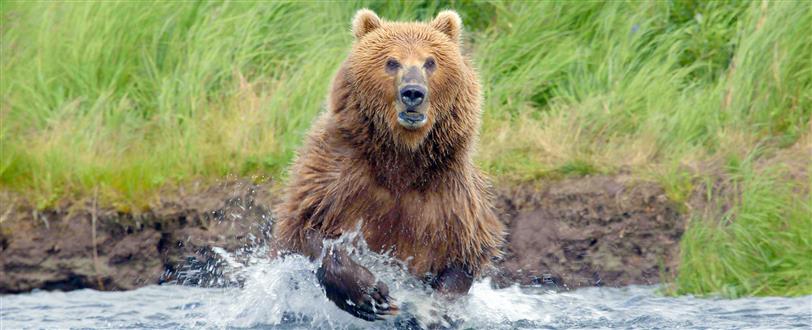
(589, 231)
(57, 250)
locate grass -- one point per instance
(132, 97)
(761, 246)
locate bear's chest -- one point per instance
(415, 227)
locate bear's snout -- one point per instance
(412, 95)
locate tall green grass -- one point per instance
(762, 244)
(643, 84)
(132, 97)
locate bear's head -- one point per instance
(411, 78)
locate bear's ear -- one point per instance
(448, 22)
(364, 22)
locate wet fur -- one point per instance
(417, 192)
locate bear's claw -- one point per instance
(353, 288)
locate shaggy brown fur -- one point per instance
(416, 192)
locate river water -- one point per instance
(283, 294)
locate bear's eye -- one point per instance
(392, 65)
(430, 65)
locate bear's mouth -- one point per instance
(411, 119)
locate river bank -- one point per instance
(591, 231)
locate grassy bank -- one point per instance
(131, 97)
(760, 246)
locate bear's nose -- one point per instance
(412, 95)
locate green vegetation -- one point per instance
(762, 245)
(132, 97)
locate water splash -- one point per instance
(285, 290)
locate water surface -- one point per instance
(283, 294)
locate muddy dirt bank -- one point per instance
(594, 231)
(578, 232)
(61, 249)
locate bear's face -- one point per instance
(406, 75)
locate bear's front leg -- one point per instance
(353, 288)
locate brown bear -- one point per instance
(392, 155)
